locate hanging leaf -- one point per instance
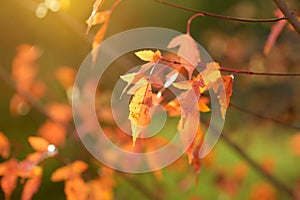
(275, 32)
(225, 100)
(4, 146)
(90, 21)
(211, 74)
(148, 55)
(139, 110)
(188, 51)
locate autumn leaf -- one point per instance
(32, 185)
(9, 177)
(60, 112)
(38, 143)
(225, 100)
(188, 51)
(4, 146)
(90, 21)
(148, 55)
(75, 189)
(53, 132)
(263, 191)
(211, 73)
(99, 18)
(66, 76)
(69, 171)
(275, 32)
(139, 110)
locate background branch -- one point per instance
(289, 14)
(209, 14)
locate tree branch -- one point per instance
(209, 14)
(289, 14)
(248, 72)
(276, 182)
(249, 112)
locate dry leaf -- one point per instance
(139, 108)
(188, 51)
(4, 146)
(60, 112)
(9, 177)
(225, 100)
(66, 76)
(90, 21)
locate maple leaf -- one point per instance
(139, 108)
(69, 171)
(148, 55)
(4, 146)
(188, 51)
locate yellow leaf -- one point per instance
(4, 146)
(139, 109)
(211, 74)
(38, 143)
(148, 55)
(99, 18)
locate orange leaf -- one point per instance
(69, 171)
(54, 133)
(4, 146)
(32, 185)
(263, 191)
(99, 189)
(228, 84)
(10, 178)
(66, 76)
(76, 189)
(60, 112)
(38, 143)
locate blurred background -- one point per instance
(58, 32)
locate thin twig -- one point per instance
(248, 72)
(289, 14)
(237, 71)
(249, 112)
(209, 14)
